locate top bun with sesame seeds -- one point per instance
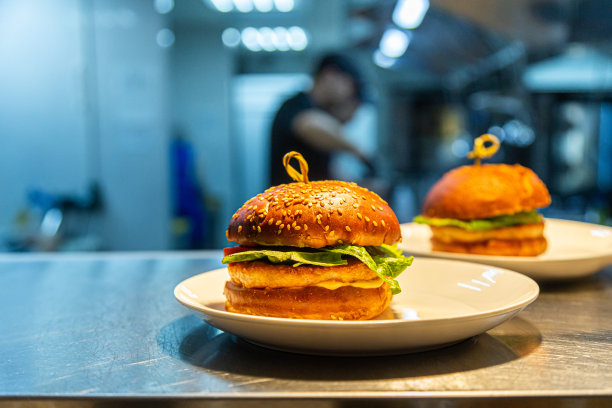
(315, 215)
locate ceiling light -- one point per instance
(284, 5)
(382, 60)
(297, 40)
(163, 6)
(281, 39)
(249, 39)
(231, 37)
(265, 38)
(243, 6)
(264, 6)
(224, 6)
(410, 13)
(165, 38)
(394, 42)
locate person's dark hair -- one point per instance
(342, 64)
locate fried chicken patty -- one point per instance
(517, 232)
(344, 303)
(508, 247)
(263, 274)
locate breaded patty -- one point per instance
(345, 303)
(509, 247)
(263, 274)
(517, 232)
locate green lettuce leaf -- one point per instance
(529, 217)
(297, 257)
(386, 267)
(386, 260)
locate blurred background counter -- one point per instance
(143, 125)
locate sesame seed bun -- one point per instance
(489, 190)
(315, 215)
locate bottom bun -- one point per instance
(310, 302)
(502, 247)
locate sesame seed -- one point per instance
(279, 222)
(258, 228)
(380, 208)
(359, 216)
(355, 205)
(339, 211)
(279, 231)
(367, 218)
(294, 223)
(254, 228)
(373, 208)
(347, 228)
(327, 228)
(305, 227)
(271, 221)
(383, 223)
(282, 226)
(297, 228)
(288, 227)
(375, 223)
(239, 228)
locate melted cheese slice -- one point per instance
(364, 284)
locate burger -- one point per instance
(313, 250)
(487, 209)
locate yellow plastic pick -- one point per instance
(302, 175)
(481, 151)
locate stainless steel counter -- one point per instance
(105, 329)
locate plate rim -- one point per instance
(513, 259)
(516, 306)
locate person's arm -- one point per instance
(324, 132)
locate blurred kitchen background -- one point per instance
(112, 111)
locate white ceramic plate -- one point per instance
(575, 249)
(442, 302)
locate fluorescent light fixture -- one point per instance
(163, 6)
(243, 6)
(224, 6)
(382, 60)
(281, 36)
(409, 13)
(264, 6)
(394, 42)
(231, 37)
(165, 38)
(249, 39)
(284, 6)
(265, 38)
(297, 40)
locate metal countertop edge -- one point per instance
(319, 395)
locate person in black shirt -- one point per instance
(311, 122)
